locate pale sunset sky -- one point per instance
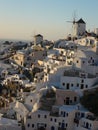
(21, 19)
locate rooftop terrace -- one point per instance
(77, 73)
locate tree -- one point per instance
(28, 74)
(90, 101)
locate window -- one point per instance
(86, 86)
(67, 86)
(21, 62)
(32, 125)
(83, 62)
(63, 84)
(72, 85)
(82, 86)
(67, 100)
(45, 125)
(31, 100)
(77, 85)
(78, 113)
(66, 124)
(87, 125)
(61, 52)
(70, 101)
(77, 61)
(82, 81)
(61, 112)
(29, 117)
(38, 116)
(59, 123)
(89, 61)
(17, 58)
(45, 116)
(75, 99)
(50, 119)
(55, 120)
(28, 125)
(82, 114)
(67, 114)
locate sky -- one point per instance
(22, 19)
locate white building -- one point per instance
(96, 31)
(9, 124)
(70, 117)
(77, 80)
(58, 118)
(17, 110)
(31, 100)
(86, 41)
(85, 120)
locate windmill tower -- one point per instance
(78, 27)
(38, 39)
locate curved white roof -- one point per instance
(85, 54)
(80, 54)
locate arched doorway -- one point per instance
(67, 100)
(87, 125)
(52, 128)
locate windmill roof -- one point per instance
(38, 35)
(80, 21)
